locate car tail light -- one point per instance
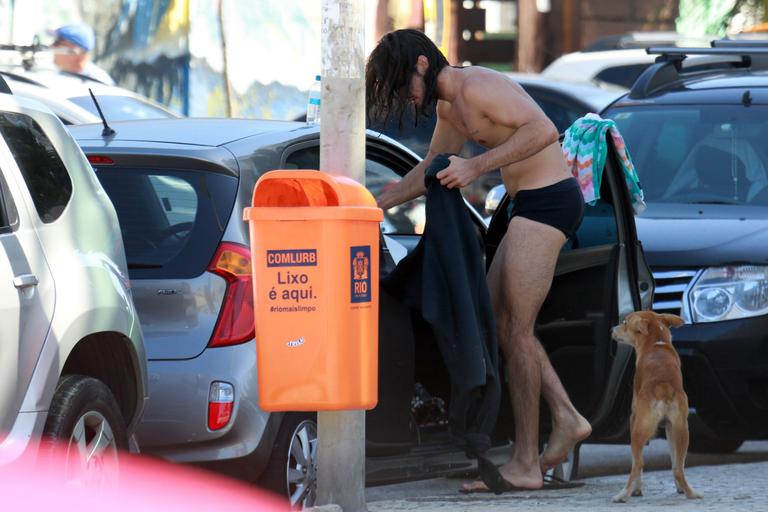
(235, 323)
(100, 160)
(221, 399)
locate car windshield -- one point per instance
(122, 108)
(712, 154)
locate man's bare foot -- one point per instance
(565, 435)
(519, 479)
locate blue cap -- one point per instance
(79, 34)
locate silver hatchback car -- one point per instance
(179, 188)
(72, 361)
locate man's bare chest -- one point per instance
(475, 126)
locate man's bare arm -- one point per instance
(445, 139)
(510, 108)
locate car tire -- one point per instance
(291, 471)
(85, 427)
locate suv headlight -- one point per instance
(726, 293)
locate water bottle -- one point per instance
(313, 103)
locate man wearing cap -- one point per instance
(79, 39)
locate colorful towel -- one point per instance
(585, 148)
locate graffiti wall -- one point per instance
(172, 50)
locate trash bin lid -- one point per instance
(309, 188)
(299, 195)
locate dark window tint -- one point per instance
(171, 220)
(44, 172)
(597, 228)
(9, 218)
(698, 154)
(623, 76)
(405, 219)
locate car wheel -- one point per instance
(86, 428)
(292, 467)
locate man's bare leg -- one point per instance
(568, 426)
(519, 280)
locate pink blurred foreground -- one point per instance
(137, 484)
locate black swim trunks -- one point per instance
(560, 205)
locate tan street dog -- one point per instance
(657, 396)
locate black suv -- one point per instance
(695, 124)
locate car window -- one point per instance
(121, 108)
(623, 76)
(46, 176)
(9, 218)
(171, 220)
(698, 154)
(405, 219)
(598, 227)
(408, 218)
(561, 115)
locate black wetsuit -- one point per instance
(444, 278)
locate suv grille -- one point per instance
(670, 286)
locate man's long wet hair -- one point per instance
(388, 75)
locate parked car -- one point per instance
(180, 187)
(73, 367)
(616, 67)
(563, 101)
(67, 112)
(620, 60)
(68, 97)
(697, 136)
(645, 39)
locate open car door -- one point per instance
(601, 276)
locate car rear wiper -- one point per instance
(132, 264)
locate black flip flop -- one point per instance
(551, 482)
(499, 485)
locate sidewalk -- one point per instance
(735, 487)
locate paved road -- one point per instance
(728, 482)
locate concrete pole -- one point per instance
(341, 434)
(225, 62)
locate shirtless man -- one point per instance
(407, 70)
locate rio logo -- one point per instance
(360, 266)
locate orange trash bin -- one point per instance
(315, 252)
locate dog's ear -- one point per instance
(672, 320)
(639, 324)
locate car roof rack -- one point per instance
(739, 43)
(29, 51)
(668, 67)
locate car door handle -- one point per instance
(25, 281)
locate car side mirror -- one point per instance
(493, 199)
